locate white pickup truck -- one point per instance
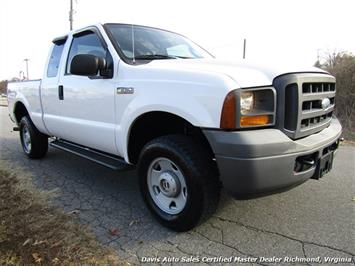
(127, 95)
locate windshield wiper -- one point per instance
(156, 56)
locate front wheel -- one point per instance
(34, 143)
(179, 181)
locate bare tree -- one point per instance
(342, 66)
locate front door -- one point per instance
(85, 107)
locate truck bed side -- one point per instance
(26, 93)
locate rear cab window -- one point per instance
(54, 60)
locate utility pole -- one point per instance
(318, 57)
(71, 12)
(27, 75)
(244, 47)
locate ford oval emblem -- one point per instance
(325, 103)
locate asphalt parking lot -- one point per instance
(314, 219)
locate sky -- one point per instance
(276, 31)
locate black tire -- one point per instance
(201, 176)
(38, 141)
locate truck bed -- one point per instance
(29, 93)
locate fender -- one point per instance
(132, 114)
(35, 115)
(18, 101)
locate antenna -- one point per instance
(134, 57)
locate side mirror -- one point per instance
(87, 65)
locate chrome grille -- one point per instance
(317, 87)
(313, 114)
(307, 103)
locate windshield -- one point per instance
(152, 44)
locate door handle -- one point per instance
(61, 92)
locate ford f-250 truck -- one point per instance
(127, 95)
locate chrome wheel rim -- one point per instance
(167, 186)
(26, 139)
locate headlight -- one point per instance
(249, 108)
(257, 107)
(246, 102)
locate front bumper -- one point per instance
(263, 161)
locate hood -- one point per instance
(244, 73)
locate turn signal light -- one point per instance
(229, 111)
(257, 120)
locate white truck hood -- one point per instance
(244, 73)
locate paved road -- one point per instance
(314, 219)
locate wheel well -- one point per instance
(156, 124)
(20, 111)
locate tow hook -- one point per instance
(307, 161)
(303, 163)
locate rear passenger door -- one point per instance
(49, 85)
(85, 107)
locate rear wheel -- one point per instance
(34, 143)
(178, 181)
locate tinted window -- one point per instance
(86, 44)
(54, 60)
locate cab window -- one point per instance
(86, 44)
(54, 60)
